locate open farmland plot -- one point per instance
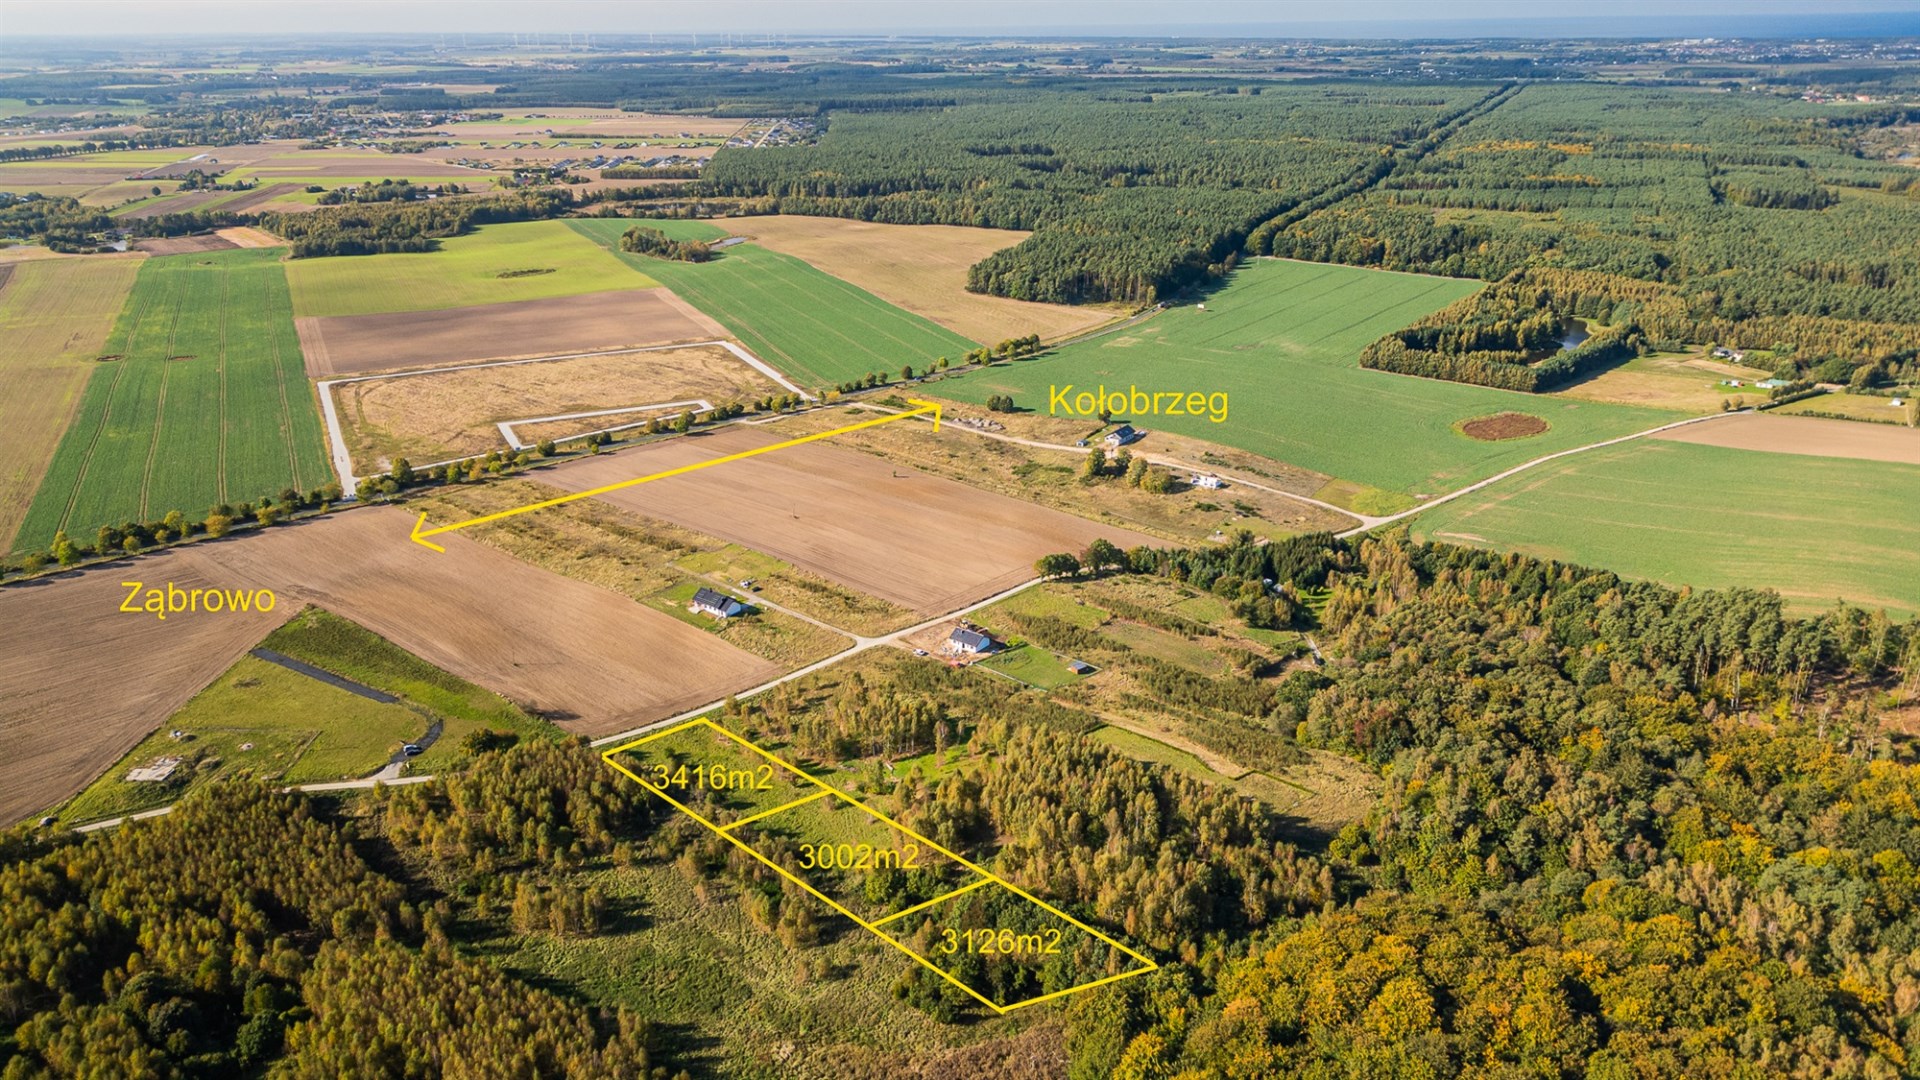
(1813, 528)
(1282, 338)
(440, 415)
(1812, 435)
(207, 402)
(816, 328)
(529, 260)
(922, 268)
(587, 658)
(356, 344)
(55, 315)
(920, 541)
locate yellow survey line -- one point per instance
(938, 899)
(921, 407)
(801, 801)
(988, 877)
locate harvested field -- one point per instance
(453, 413)
(920, 541)
(922, 268)
(1503, 426)
(169, 204)
(55, 315)
(357, 344)
(184, 245)
(1811, 435)
(587, 658)
(246, 236)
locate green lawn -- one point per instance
(466, 270)
(1141, 748)
(814, 327)
(1283, 340)
(294, 729)
(1813, 528)
(208, 402)
(1032, 665)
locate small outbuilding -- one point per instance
(1079, 667)
(1206, 480)
(717, 604)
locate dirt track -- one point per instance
(1810, 435)
(921, 541)
(80, 682)
(358, 344)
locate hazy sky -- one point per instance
(1092, 17)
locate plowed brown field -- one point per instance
(357, 344)
(1811, 435)
(920, 541)
(80, 682)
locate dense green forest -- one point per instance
(1625, 831)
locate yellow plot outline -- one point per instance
(988, 877)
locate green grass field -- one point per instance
(814, 327)
(208, 402)
(1282, 339)
(466, 270)
(1813, 528)
(1032, 665)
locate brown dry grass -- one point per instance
(1805, 435)
(920, 541)
(588, 658)
(1688, 381)
(450, 414)
(246, 236)
(922, 268)
(1503, 426)
(359, 344)
(55, 315)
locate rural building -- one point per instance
(154, 772)
(1079, 667)
(717, 604)
(966, 642)
(1770, 384)
(1203, 480)
(1122, 435)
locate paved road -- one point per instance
(325, 676)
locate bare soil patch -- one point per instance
(920, 541)
(184, 245)
(922, 268)
(589, 659)
(1809, 435)
(1503, 426)
(173, 204)
(453, 413)
(360, 344)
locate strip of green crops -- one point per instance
(813, 326)
(209, 402)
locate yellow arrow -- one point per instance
(420, 533)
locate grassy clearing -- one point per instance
(1813, 528)
(1688, 381)
(1282, 339)
(207, 403)
(1851, 406)
(787, 585)
(259, 720)
(55, 315)
(1140, 748)
(780, 638)
(466, 270)
(1032, 665)
(814, 327)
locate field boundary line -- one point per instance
(220, 477)
(513, 439)
(160, 403)
(782, 808)
(941, 899)
(987, 876)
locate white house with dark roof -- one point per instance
(965, 642)
(717, 604)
